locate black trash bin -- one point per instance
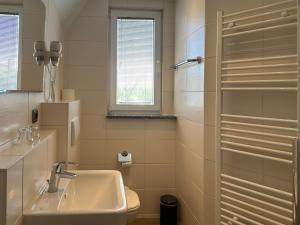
(168, 210)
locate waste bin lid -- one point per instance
(168, 199)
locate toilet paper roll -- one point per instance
(126, 164)
(125, 159)
(68, 94)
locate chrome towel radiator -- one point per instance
(258, 52)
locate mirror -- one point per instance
(21, 23)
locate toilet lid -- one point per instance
(133, 201)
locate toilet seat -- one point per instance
(133, 201)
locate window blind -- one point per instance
(9, 51)
(135, 61)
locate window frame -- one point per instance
(135, 109)
(10, 10)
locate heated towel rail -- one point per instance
(250, 60)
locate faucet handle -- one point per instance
(59, 166)
(68, 163)
(62, 164)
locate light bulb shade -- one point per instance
(39, 58)
(55, 52)
(39, 46)
(39, 52)
(55, 46)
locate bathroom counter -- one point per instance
(7, 161)
(11, 153)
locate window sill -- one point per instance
(154, 117)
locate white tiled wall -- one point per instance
(192, 166)
(87, 71)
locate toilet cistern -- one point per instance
(58, 172)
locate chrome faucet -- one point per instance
(57, 172)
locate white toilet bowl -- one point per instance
(133, 204)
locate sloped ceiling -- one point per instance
(68, 10)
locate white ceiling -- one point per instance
(68, 10)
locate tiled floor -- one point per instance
(145, 222)
(141, 223)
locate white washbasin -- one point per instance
(94, 197)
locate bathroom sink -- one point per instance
(95, 197)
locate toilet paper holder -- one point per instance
(125, 158)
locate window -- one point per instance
(10, 41)
(135, 61)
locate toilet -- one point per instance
(133, 204)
